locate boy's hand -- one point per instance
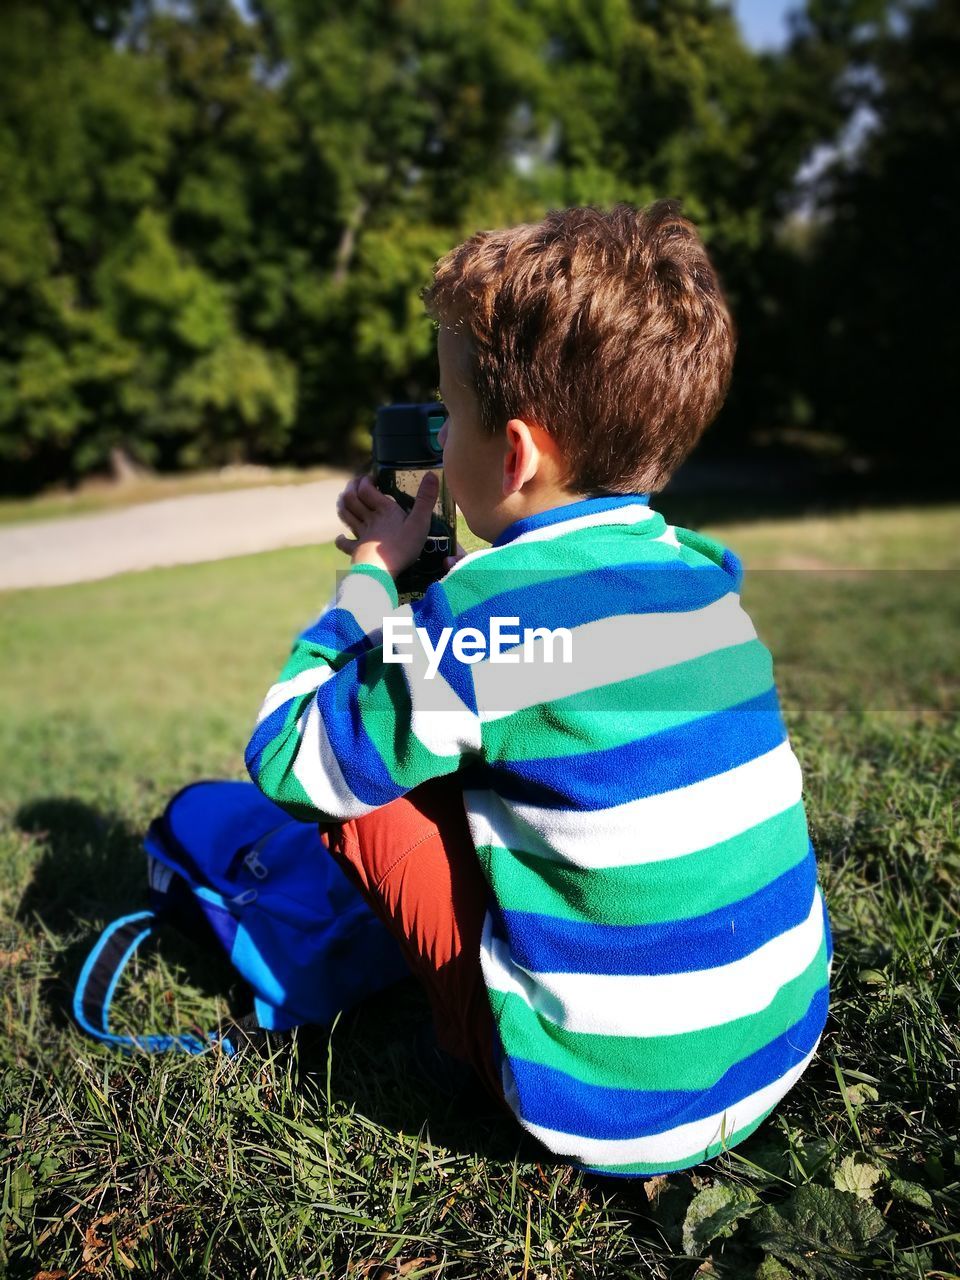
(385, 534)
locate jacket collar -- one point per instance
(569, 511)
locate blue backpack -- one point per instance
(225, 861)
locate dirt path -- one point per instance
(185, 530)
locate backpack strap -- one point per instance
(98, 981)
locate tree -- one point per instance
(215, 225)
(122, 271)
(885, 316)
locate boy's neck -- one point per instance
(546, 499)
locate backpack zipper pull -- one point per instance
(252, 863)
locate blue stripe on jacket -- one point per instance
(570, 511)
(555, 1100)
(648, 766)
(573, 599)
(361, 764)
(433, 613)
(265, 732)
(339, 631)
(549, 944)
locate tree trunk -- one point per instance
(123, 468)
(348, 241)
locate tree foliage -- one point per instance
(885, 280)
(215, 223)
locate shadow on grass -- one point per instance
(92, 868)
(367, 1056)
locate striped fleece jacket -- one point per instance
(656, 948)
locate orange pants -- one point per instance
(415, 863)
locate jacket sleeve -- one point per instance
(347, 729)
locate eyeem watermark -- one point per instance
(469, 644)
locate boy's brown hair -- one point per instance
(608, 329)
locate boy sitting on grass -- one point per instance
(589, 839)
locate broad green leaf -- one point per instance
(714, 1212)
(912, 1192)
(856, 1175)
(815, 1226)
(771, 1269)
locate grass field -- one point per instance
(325, 1157)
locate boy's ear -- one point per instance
(521, 457)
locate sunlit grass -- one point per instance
(328, 1157)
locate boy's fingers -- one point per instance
(345, 544)
(346, 494)
(418, 519)
(349, 487)
(351, 504)
(369, 494)
(427, 492)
